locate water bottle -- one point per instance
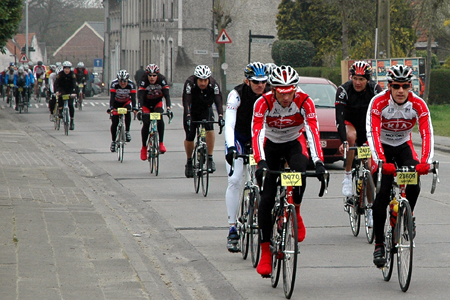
(359, 186)
(393, 210)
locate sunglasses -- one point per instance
(123, 81)
(259, 82)
(404, 86)
(152, 75)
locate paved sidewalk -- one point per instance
(65, 233)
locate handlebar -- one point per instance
(204, 122)
(162, 114)
(324, 180)
(236, 156)
(434, 169)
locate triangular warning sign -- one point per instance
(23, 59)
(223, 38)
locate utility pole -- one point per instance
(384, 26)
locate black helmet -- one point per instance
(399, 73)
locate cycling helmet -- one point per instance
(270, 67)
(152, 69)
(361, 68)
(25, 67)
(58, 64)
(40, 63)
(80, 65)
(67, 64)
(123, 75)
(399, 73)
(59, 69)
(202, 72)
(53, 68)
(284, 79)
(256, 71)
(30, 64)
(20, 70)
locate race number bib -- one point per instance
(407, 178)
(364, 152)
(291, 179)
(155, 116)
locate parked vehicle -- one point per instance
(323, 92)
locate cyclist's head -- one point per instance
(152, 69)
(11, 68)
(270, 67)
(58, 63)
(25, 67)
(284, 79)
(361, 68)
(20, 70)
(399, 73)
(40, 63)
(123, 75)
(30, 64)
(202, 72)
(256, 71)
(80, 64)
(67, 66)
(53, 68)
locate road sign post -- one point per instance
(223, 38)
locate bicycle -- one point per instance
(39, 89)
(11, 94)
(22, 103)
(247, 220)
(66, 113)
(120, 134)
(284, 240)
(200, 157)
(80, 96)
(153, 140)
(55, 117)
(400, 233)
(363, 192)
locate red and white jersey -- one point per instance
(39, 71)
(284, 124)
(391, 124)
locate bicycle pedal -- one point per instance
(266, 276)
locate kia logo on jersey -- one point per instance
(398, 125)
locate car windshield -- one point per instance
(323, 95)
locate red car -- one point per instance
(323, 93)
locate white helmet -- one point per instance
(202, 71)
(284, 79)
(80, 65)
(67, 64)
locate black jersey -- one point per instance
(120, 97)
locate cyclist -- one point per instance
(152, 88)
(82, 74)
(352, 100)
(66, 83)
(51, 70)
(200, 91)
(39, 73)
(27, 70)
(238, 134)
(390, 119)
(123, 94)
(281, 118)
(9, 79)
(51, 84)
(20, 80)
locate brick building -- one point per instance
(86, 45)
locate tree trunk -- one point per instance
(344, 31)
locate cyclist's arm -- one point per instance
(233, 102)
(74, 84)
(187, 98)
(373, 129)
(218, 100)
(112, 95)
(166, 95)
(141, 96)
(258, 131)
(133, 97)
(308, 111)
(31, 77)
(15, 80)
(340, 104)
(426, 131)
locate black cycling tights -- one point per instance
(146, 126)
(292, 152)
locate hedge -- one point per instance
(440, 87)
(332, 74)
(295, 53)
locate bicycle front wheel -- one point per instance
(120, 145)
(80, 102)
(353, 209)
(205, 173)
(196, 161)
(275, 249)
(243, 222)
(255, 238)
(368, 197)
(404, 237)
(290, 251)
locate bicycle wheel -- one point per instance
(290, 251)
(353, 213)
(205, 173)
(80, 102)
(156, 153)
(66, 121)
(243, 222)
(120, 144)
(389, 266)
(368, 193)
(404, 238)
(275, 249)
(255, 238)
(196, 161)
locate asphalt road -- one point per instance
(184, 233)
